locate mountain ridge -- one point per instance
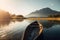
(45, 12)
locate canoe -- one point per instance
(33, 31)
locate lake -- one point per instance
(14, 30)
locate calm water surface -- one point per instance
(14, 31)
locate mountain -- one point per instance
(45, 12)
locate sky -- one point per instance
(24, 7)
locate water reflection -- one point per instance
(13, 29)
(5, 22)
(10, 28)
(52, 33)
